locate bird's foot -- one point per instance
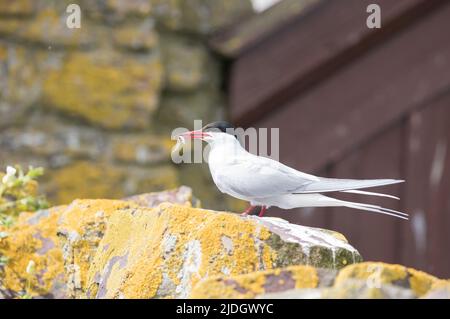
(248, 210)
(262, 211)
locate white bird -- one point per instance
(265, 182)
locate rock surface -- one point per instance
(368, 280)
(164, 252)
(159, 245)
(182, 195)
(83, 224)
(32, 239)
(81, 227)
(251, 285)
(439, 290)
(61, 243)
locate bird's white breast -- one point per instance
(221, 157)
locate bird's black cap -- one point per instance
(221, 126)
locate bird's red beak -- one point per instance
(199, 134)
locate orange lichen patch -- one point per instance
(304, 276)
(163, 252)
(33, 239)
(48, 27)
(256, 283)
(10, 26)
(420, 281)
(377, 272)
(106, 89)
(85, 180)
(83, 213)
(113, 247)
(81, 227)
(17, 7)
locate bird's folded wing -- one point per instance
(261, 178)
(334, 184)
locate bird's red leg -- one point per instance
(248, 210)
(262, 211)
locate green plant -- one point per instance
(3, 260)
(18, 193)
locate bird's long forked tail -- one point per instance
(366, 207)
(376, 209)
(325, 185)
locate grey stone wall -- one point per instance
(96, 105)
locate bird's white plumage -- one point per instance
(265, 182)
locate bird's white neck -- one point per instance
(224, 148)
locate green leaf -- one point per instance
(3, 260)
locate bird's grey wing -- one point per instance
(324, 185)
(315, 184)
(260, 177)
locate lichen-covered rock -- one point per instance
(164, 252)
(32, 240)
(81, 226)
(20, 81)
(106, 89)
(350, 289)
(261, 282)
(136, 37)
(363, 289)
(49, 28)
(439, 290)
(141, 148)
(368, 280)
(83, 223)
(114, 11)
(187, 65)
(182, 109)
(199, 16)
(97, 99)
(181, 195)
(84, 179)
(50, 137)
(296, 244)
(376, 274)
(17, 8)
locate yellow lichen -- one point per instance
(85, 180)
(305, 276)
(421, 282)
(382, 273)
(213, 242)
(48, 27)
(17, 7)
(81, 227)
(105, 89)
(255, 283)
(30, 240)
(130, 36)
(385, 273)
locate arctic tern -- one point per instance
(265, 182)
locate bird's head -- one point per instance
(212, 132)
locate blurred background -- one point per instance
(95, 106)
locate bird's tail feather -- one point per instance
(366, 207)
(377, 209)
(290, 201)
(338, 185)
(370, 194)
